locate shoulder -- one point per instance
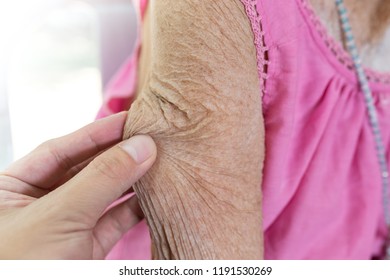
(202, 28)
(202, 46)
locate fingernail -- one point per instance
(140, 148)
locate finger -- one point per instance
(11, 184)
(107, 177)
(114, 224)
(51, 160)
(76, 170)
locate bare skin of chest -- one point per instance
(370, 20)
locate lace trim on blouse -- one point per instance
(261, 48)
(336, 48)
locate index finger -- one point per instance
(50, 161)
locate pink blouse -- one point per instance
(322, 195)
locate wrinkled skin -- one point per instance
(198, 97)
(200, 102)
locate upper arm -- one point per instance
(200, 101)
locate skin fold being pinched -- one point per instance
(199, 99)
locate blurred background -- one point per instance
(56, 57)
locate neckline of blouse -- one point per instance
(335, 50)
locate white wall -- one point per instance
(51, 90)
(5, 129)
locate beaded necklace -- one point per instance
(372, 114)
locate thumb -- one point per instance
(108, 176)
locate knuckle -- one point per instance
(50, 148)
(112, 167)
(47, 145)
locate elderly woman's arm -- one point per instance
(200, 101)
